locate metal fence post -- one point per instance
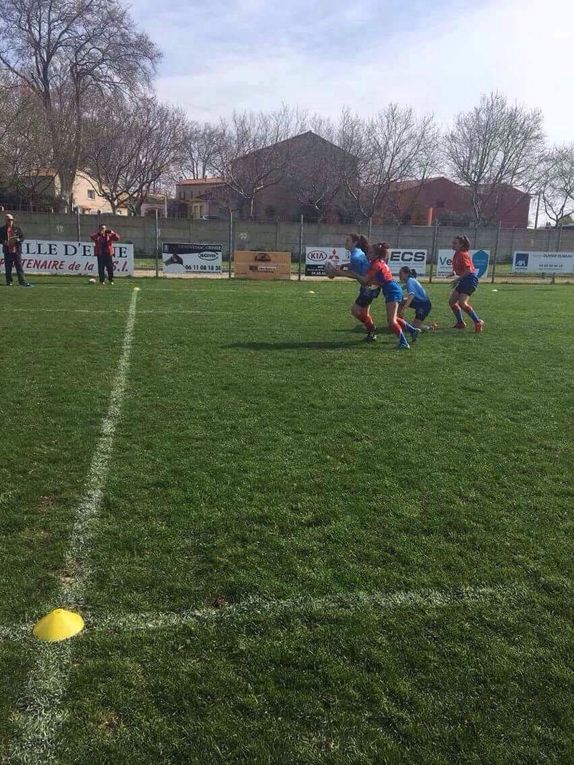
(231, 241)
(495, 252)
(156, 243)
(300, 246)
(434, 249)
(78, 224)
(398, 242)
(370, 228)
(512, 246)
(559, 242)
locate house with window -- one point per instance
(47, 187)
(203, 197)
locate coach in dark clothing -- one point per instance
(104, 251)
(12, 237)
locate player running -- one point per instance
(416, 298)
(379, 275)
(464, 285)
(359, 264)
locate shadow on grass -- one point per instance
(298, 346)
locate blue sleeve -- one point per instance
(411, 286)
(356, 263)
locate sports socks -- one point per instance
(471, 312)
(458, 313)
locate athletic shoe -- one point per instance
(414, 334)
(371, 336)
(8, 284)
(26, 284)
(459, 325)
(403, 347)
(479, 326)
(111, 282)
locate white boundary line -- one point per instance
(42, 714)
(249, 608)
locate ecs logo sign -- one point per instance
(416, 259)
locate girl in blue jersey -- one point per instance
(359, 264)
(416, 298)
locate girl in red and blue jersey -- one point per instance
(464, 285)
(379, 275)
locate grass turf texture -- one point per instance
(265, 451)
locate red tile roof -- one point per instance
(201, 182)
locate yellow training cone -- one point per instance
(59, 624)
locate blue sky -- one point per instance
(322, 55)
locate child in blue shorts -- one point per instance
(416, 298)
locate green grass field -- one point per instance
(309, 549)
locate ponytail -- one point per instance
(364, 244)
(413, 273)
(464, 240)
(381, 250)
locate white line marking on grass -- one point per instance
(42, 713)
(353, 601)
(250, 607)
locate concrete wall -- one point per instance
(281, 236)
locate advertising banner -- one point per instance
(543, 262)
(316, 258)
(41, 256)
(416, 259)
(261, 265)
(192, 258)
(480, 258)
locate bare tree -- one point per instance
(495, 147)
(558, 188)
(252, 154)
(395, 145)
(201, 147)
(24, 148)
(72, 54)
(130, 151)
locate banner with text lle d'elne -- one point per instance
(40, 256)
(480, 258)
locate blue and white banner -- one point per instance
(480, 258)
(543, 263)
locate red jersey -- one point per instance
(379, 272)
(462, 262)
(104, 243)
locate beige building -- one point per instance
(200, 196)
(84, 192)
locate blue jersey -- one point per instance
(359, 262)
(416, 289)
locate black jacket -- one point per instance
(17, 232)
